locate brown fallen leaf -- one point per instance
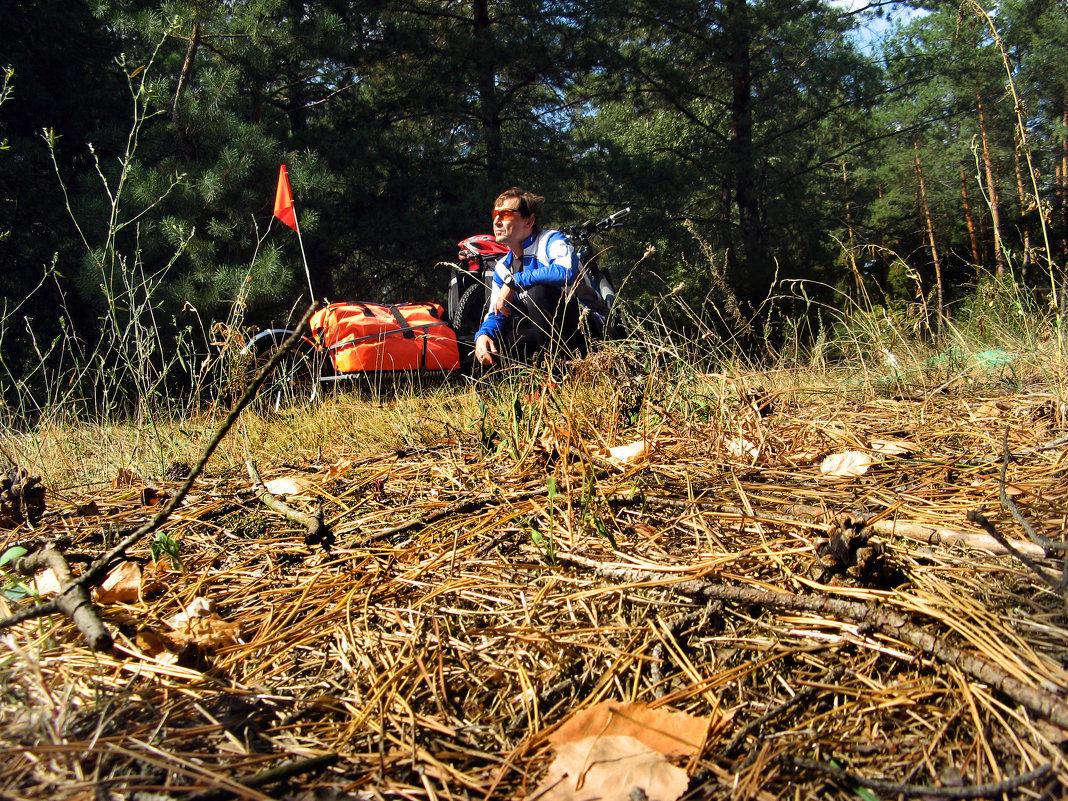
(198, 608)
(741, 448)
(292, 487)
(554, 439)
(125, 477)
(610, 768)
(337, 469)
(209, 633)
(893, 447)
(154, 644)
(122, 585)
(804, 456)
(849, 464)
(150, 496)
(664, 730)
(631, 452)
(90, 509)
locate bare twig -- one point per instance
(989, 790)
(316, 532)
(74, 593)
(884, 619)
(800, 698)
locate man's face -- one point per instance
(509, 228)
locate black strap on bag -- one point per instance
(406, 330)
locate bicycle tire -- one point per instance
(296, 379)
(470, 311)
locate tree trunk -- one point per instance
(852, 243)
(489, 102)
(929, 225)
(973, 236)
(185, 144)
(991, 189)
(757, 278)
(1026, 206)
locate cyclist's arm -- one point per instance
(562, 268)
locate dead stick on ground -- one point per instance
(75, 604)
(316, 532)
(886, 620)
(462, 507)
(74, 589)
(991, 790)
(274, 775)
(802, 514)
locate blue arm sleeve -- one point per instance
(561, 270)
(492, 326)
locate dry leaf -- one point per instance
(554, 438)
(991, 408)
(46, 583)
(289, 487)
(337, 469)
(150, 496)
(209, 632)
(127, 478)
(90, 509)
(849, 464)
(802, 457)
(631, 452)
(664, 730)
(893, 447)
(152, 643)
(122, 585)
(609, 769)
(740, 448)
(198, 607)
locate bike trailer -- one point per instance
(373, 337)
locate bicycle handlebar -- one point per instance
(589, 227)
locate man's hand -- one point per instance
(504, 297)
(485, 349)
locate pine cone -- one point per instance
(848, 555)
(22, 498)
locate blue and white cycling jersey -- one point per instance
(548, 259)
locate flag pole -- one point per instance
(304, 259)
(286, 211)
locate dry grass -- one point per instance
(536, 577)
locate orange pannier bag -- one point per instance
(371, 337)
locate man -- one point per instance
(531, 300)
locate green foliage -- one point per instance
(165, 545)
(14, 588)
(755, 139)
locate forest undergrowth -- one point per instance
(629, 577)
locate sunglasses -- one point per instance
(505, 214)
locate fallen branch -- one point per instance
(989, 790)
(458, 508)
(316, 531)
(885, 620)
(273, 776)
(1053, 582)
(75, 604)
(933, 535)
(806, 513)
(73, 595)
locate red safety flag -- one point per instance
(283, 200)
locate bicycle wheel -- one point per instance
(470, 312)
(295, 380)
